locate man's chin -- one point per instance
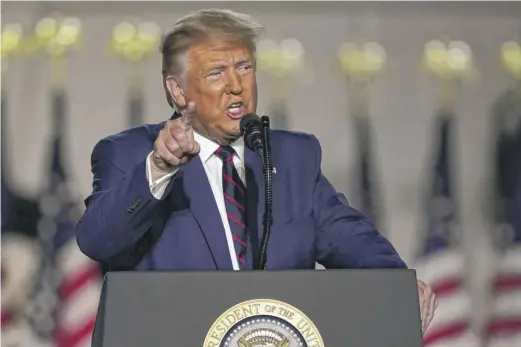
(231, 130)
(233, 135)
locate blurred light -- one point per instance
(436, 52)
(124, 32)
(352, 59)
(292, 54)
(375, 56)
(293, 46)
(69, 31)
(459, 57)
(268, 54)
(46, 28)
(434, 45)
(11, 38)
(135, 41)
(453, 60)
(511, 58)
(436, 57)
(462, 46)
(281, 60)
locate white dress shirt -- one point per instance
(213, 166)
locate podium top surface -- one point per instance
(340, 307)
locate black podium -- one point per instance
(299, 308)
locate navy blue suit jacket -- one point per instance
(126, 228)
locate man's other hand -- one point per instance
(428, 304)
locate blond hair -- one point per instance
(201, 26)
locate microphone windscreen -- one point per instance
(249, 120)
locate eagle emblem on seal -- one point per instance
(263, 338)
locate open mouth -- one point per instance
(236, 110)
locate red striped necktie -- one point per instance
(235, 201)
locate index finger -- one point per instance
(188, 113)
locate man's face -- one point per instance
(220, 79)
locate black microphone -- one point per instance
(251, 130)
(256, 137)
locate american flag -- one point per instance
(504, 326)
(20, 257)
(442, 262)
(72, 277)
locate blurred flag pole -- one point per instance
(282, 64)
(134, 41)
(361, 64)
(442, 261)
(503, 327)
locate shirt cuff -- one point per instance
(158, 187)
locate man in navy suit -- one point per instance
(186, 194)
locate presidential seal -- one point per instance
(263, 323)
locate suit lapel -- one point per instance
(205, 211)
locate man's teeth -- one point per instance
(235, 109)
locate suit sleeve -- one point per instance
(120, 210)
(345, 237)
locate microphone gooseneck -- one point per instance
(268, 193)
(256, 138)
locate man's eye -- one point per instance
(214, 73)
(246, 67)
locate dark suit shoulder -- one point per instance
(294, 142)
(145, 132)
(293, 137)
(129, 143)
(299, 152)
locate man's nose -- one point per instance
(234, 85)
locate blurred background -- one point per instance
(417, 106)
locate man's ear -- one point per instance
(176, 91)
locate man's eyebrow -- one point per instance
(210, 67)
(245, 60)
(216, 67)
(220, 66)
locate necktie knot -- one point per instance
(225, 153)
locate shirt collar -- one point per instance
(208, 147)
